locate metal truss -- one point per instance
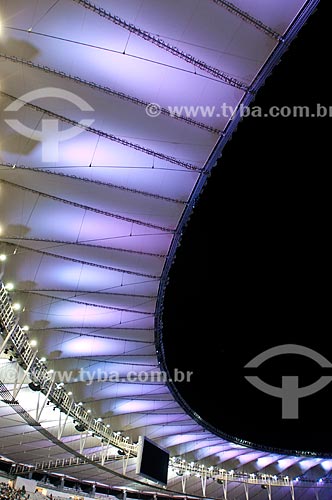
(175, 51)
(84, 262)
(88, 208)
(82, 244)
(92, 181)
(109, 91)
(250, 19)
(180, 467)
(15, 337)
(105, 135)
(91, 304)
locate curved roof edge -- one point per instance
(266, 71)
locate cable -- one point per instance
(106, 337)
(111, 137)
(109, 91)
(84, 262)
(249, 19)
(88, 208)
(92, 181)
(224, 77)
(82, 244)
(105, 49)
(44, 15)
(90, 304)
(84, 292)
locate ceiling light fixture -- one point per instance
(80, 428)
(34, 387)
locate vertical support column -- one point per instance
(125, 462)
(224, 487)
(25, 374)
(62, 428)
(40, 411)
(38, 405)
(59, 425)
(292, 491)
(203, 481)
(246, 490)
(82, 441)
(183, 482)
(104, 452)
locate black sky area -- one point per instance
(253, 268)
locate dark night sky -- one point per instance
(253, 268)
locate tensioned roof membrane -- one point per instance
(97, 176)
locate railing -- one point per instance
(48, 465)
(184, 468)
(181, 468)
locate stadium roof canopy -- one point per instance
(97, 179)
